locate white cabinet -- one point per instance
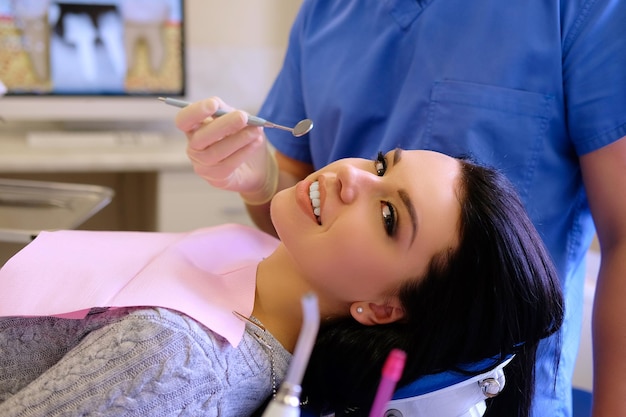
(186, 202)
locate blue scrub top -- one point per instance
(524, 86)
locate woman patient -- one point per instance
(414, 250)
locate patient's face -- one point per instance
(379, 224)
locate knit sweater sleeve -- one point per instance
(131, 362)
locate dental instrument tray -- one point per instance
(28, 207)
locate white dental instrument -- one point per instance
(286, 403)
(300, 129)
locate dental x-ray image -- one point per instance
(92, 47)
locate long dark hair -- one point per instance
(494, 295)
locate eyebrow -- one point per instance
(406, 199)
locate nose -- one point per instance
(353, 182)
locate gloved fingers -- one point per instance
(224, 148)
(212, 131)
(226, 135)
(195, 114)
(224, 172)
(228, 153)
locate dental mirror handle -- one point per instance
(252, 120)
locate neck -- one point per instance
(279, 290)
(280, 286)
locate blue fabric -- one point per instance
(434, 382)
(582, 402)
(525, 86)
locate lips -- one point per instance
(304, 200)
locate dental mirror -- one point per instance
(300, 129)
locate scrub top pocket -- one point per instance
(490, 124)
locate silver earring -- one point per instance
(359, 310)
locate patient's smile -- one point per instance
(314, 195)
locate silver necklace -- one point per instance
(259, 335)
(257, 325)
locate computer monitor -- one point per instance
(90, 60)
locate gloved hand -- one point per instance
(228, 153)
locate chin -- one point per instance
(281, 214)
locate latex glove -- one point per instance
(228, 153)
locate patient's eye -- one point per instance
(390, 220)
(380, 163)
(389, 213)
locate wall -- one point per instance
(236, 47)
(583, 373)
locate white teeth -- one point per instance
(314, 195)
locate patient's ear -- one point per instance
(370, 313)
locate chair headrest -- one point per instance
(450, 394)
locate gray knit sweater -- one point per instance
(133, 362)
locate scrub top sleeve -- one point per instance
(284, 103)
(594, 74)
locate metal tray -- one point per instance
(28, 207)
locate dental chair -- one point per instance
(448, 394)
(458, 393)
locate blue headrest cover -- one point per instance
(434, 382)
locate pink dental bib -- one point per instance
(206, 274)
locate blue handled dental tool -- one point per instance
(302, 128)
